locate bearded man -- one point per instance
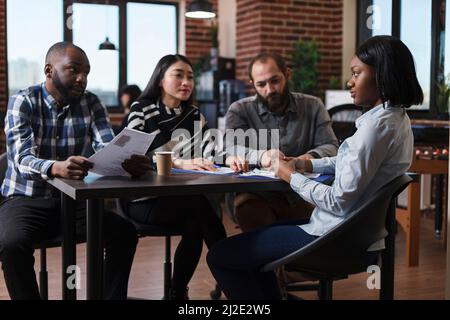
(296, 124)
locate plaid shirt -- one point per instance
(38, 134)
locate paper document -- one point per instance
(219, 171)
(108, 161)
(271, 175)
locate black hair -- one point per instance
(152, 91)
(133, 91)
(263, 57)
(60, 48)
(395, 72)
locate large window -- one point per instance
(417, 36)
(446, 23)
(151, 34)
(421, 26)
(141, 30)
(29, 37)
(92, 23)
(381, 11)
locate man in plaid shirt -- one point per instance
(50, 130)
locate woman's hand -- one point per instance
(302, 163)
(283, 169)
(269, 157)
(237, 163)
(194, 164)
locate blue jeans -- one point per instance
(235, 262)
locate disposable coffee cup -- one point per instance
(163, 162)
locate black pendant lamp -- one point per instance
(107, 45)
(200, 9)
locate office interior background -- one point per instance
(321, 35)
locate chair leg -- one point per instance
(167, 271)
(325, 289)
(388, 257)
(43, 275)
(216, 293)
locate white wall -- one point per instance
(348, 37)
(182, 28)
(227, 28)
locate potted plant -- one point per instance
(443, 95)
(305, 58)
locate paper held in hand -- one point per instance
(108, 161)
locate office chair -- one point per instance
(147, 230)
(343, 120)
(342, 251)
(42, 247)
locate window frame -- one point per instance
(122, 4)
(363, 33)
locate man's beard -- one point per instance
(276, 102)
(64, 91)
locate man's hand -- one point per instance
(137, 165)
(75, 167)
(237, 163)
(194, 164)
(283, 169)
(270, 156)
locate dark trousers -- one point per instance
(194, 216)
(26, 221)
(235, 262)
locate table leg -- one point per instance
(439, 202)
(409, 220)
(413, 234)
(94, 247)
(69, 290)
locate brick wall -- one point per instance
(198, 38)
(264, 25)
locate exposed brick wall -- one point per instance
(198, 38)
(3, 69)
(264, 25)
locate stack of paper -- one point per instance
(219, 171)
(271, 175)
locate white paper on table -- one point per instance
(108, 161)
(218, 171)
(271, 174)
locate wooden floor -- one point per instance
(423, 282)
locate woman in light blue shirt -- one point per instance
(384, 81)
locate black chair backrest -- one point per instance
(345, 112)
(342, 249)
(3, 167)
(343, 120)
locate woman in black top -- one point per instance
(165, 106)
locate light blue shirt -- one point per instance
(379, 151)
